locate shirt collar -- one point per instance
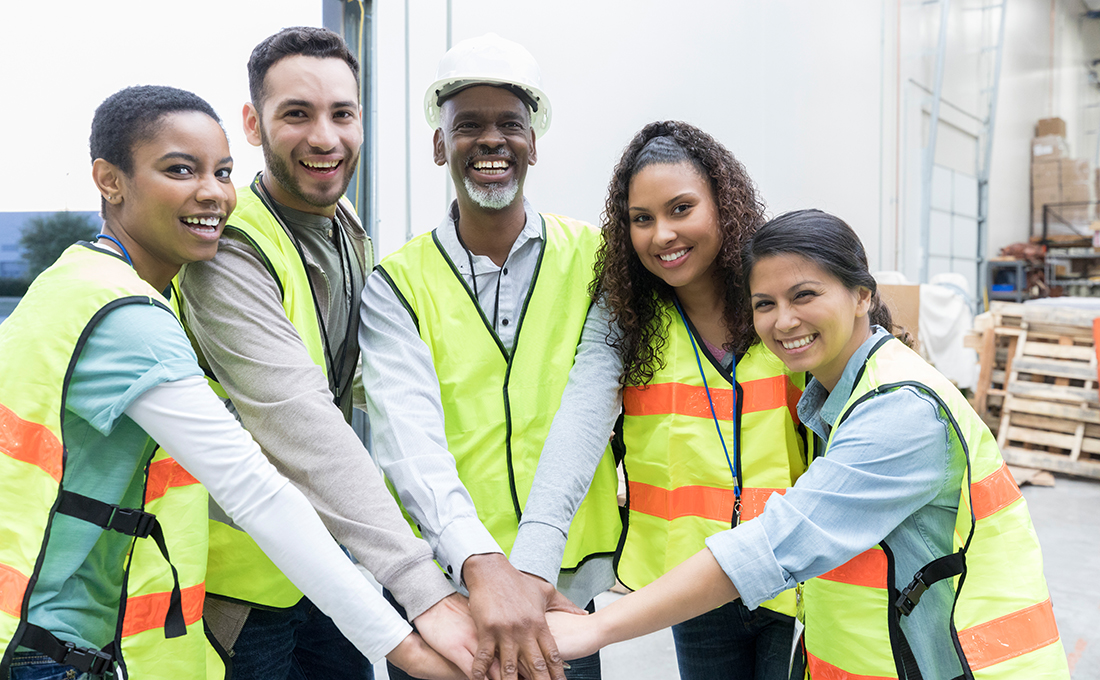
(447, 233)
(818, 408)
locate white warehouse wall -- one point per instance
(824, 103)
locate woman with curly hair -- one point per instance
(707, 431)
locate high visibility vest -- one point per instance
(497, 405)
(1002, 624)
(238, 569)
(680, 488)
(41, 341)
(180, 502)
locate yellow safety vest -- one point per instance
(1002, 622)
(42, 340)
(238, 569)
(497, 405)
(680, 489)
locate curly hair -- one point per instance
(635, 297)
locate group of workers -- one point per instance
(785, 455)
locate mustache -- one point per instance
(493, 154)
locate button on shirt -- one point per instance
(893, 472)
(406, 411)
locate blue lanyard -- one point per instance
(120, 246)
(736, 439)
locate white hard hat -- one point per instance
(490, 60)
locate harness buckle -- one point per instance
(85, 660)
(131, 522)
(911, 594)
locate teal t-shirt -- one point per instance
(133, 348)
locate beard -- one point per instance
(280, 171)
(496, 197)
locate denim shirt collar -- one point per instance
(818, 409)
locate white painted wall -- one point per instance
(817, 100)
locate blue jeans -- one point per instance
(299, 643)
(35, 666)
(587, 668)
(733, 643)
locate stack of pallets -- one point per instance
(1037, 388)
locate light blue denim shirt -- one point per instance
(893, 472)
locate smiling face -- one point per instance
(485, 137)
(310, 130)
(806, 316)
(674, 224)
(171, 209)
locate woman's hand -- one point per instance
(416, 658)
(576, 635)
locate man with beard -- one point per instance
(468, 336)
(273, 321)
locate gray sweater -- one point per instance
(235, 316)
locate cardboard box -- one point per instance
(1049, 147)
(1046, 173)
(1050, 126)
(1077, 192)
(903, 300)
(1043, 195)
(1075, 170)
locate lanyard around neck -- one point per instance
(336, 360)
(119, 244)
(714, 415)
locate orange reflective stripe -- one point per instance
(146, 612)
(30, 442)
(1009, 636)
(995, 492)
(820, 670)
(163, 474)
(688, 400)
(707, 502)
(13, 586)
(865, 569)
(685, 501)
(753, 501)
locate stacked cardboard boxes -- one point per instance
(1058, 179)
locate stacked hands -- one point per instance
(514, 625)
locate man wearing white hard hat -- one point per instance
(468, 335)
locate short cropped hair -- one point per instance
(134, 115)
(307, 41)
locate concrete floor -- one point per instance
(1067, 520)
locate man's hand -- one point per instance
(416, 658)
(555, 601)
(448, 627)
(510, 612)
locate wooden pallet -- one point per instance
(1050, 414)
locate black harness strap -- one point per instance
(938, 569)
(83, 659)
(129, 522)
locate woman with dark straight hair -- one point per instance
(907, 538)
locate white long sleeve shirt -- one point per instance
(406, 412)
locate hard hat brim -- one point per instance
(446, 87)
